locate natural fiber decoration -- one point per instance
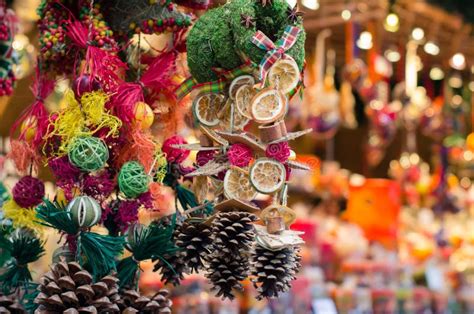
(28, 192)
(24, 248)
(98, 186)
(157, 196)
(144, 242)
(174, 154)
(239, 155)
(62, 168)
(23, 156)
(34, 120)
(82, 119)
(155, 79)
(132, 301)
(96, 250)
(128, 17)
(160, 168)
(5, 232)
(100, 64)
(278, 151)
(126, 214)
(139, 146)
(88, 153)
(20, 217)
(132, 179)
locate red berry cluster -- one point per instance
(53, 40)
(6, 85)
(170, 24)
(4, 33)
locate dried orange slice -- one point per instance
(268, 106)
(229, 115)
(267, 175)
(237, 185)
(206, 108)
(238, 82)
(243, 97)
(200, 188)
(284, 75)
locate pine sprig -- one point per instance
(154, 241)
(24, 248)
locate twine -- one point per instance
(88, 153)
(133, 179)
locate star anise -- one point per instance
(294, 14)
(265, 2)
(247, 20)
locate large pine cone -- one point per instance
(225, 272)
(132, 302)
(274, 270)
(70, 289)
(175, 274)
(194, 239)
(233, 232)
(9, 304)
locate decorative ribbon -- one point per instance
(216, 86)
(276, 51)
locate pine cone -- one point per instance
(233, 232)
(9, 304)
(225, 272)
(274, 270)
(194, 239)
(68, 288)
(132, 302)
(175, 274)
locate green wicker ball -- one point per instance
(133, 179)
(88, 153)
(63, 252)
(85, 211)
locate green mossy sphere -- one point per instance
(218, 36)
(210, 44)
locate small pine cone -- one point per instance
(274, 270)
(194, 239)
(68, 288)
(10, 304)
(132, 302)
(175, 274)
(233, 231)
(225, 273)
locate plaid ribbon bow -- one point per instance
(274, 51)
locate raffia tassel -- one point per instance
(83, 119)
(23, 156)
(35, 116)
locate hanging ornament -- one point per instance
(99, 251)
(132, 301)
(88, 153)
(8, 29)
(28, 192)
(194, 238)
(132, 179)
(85, 211)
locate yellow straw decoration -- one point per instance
(83, 119)
(21, 217)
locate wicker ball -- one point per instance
(88, 153)
(85, 211)
(63, 252)
(133, 179)
(28, 192)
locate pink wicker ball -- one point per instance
(28, 192)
